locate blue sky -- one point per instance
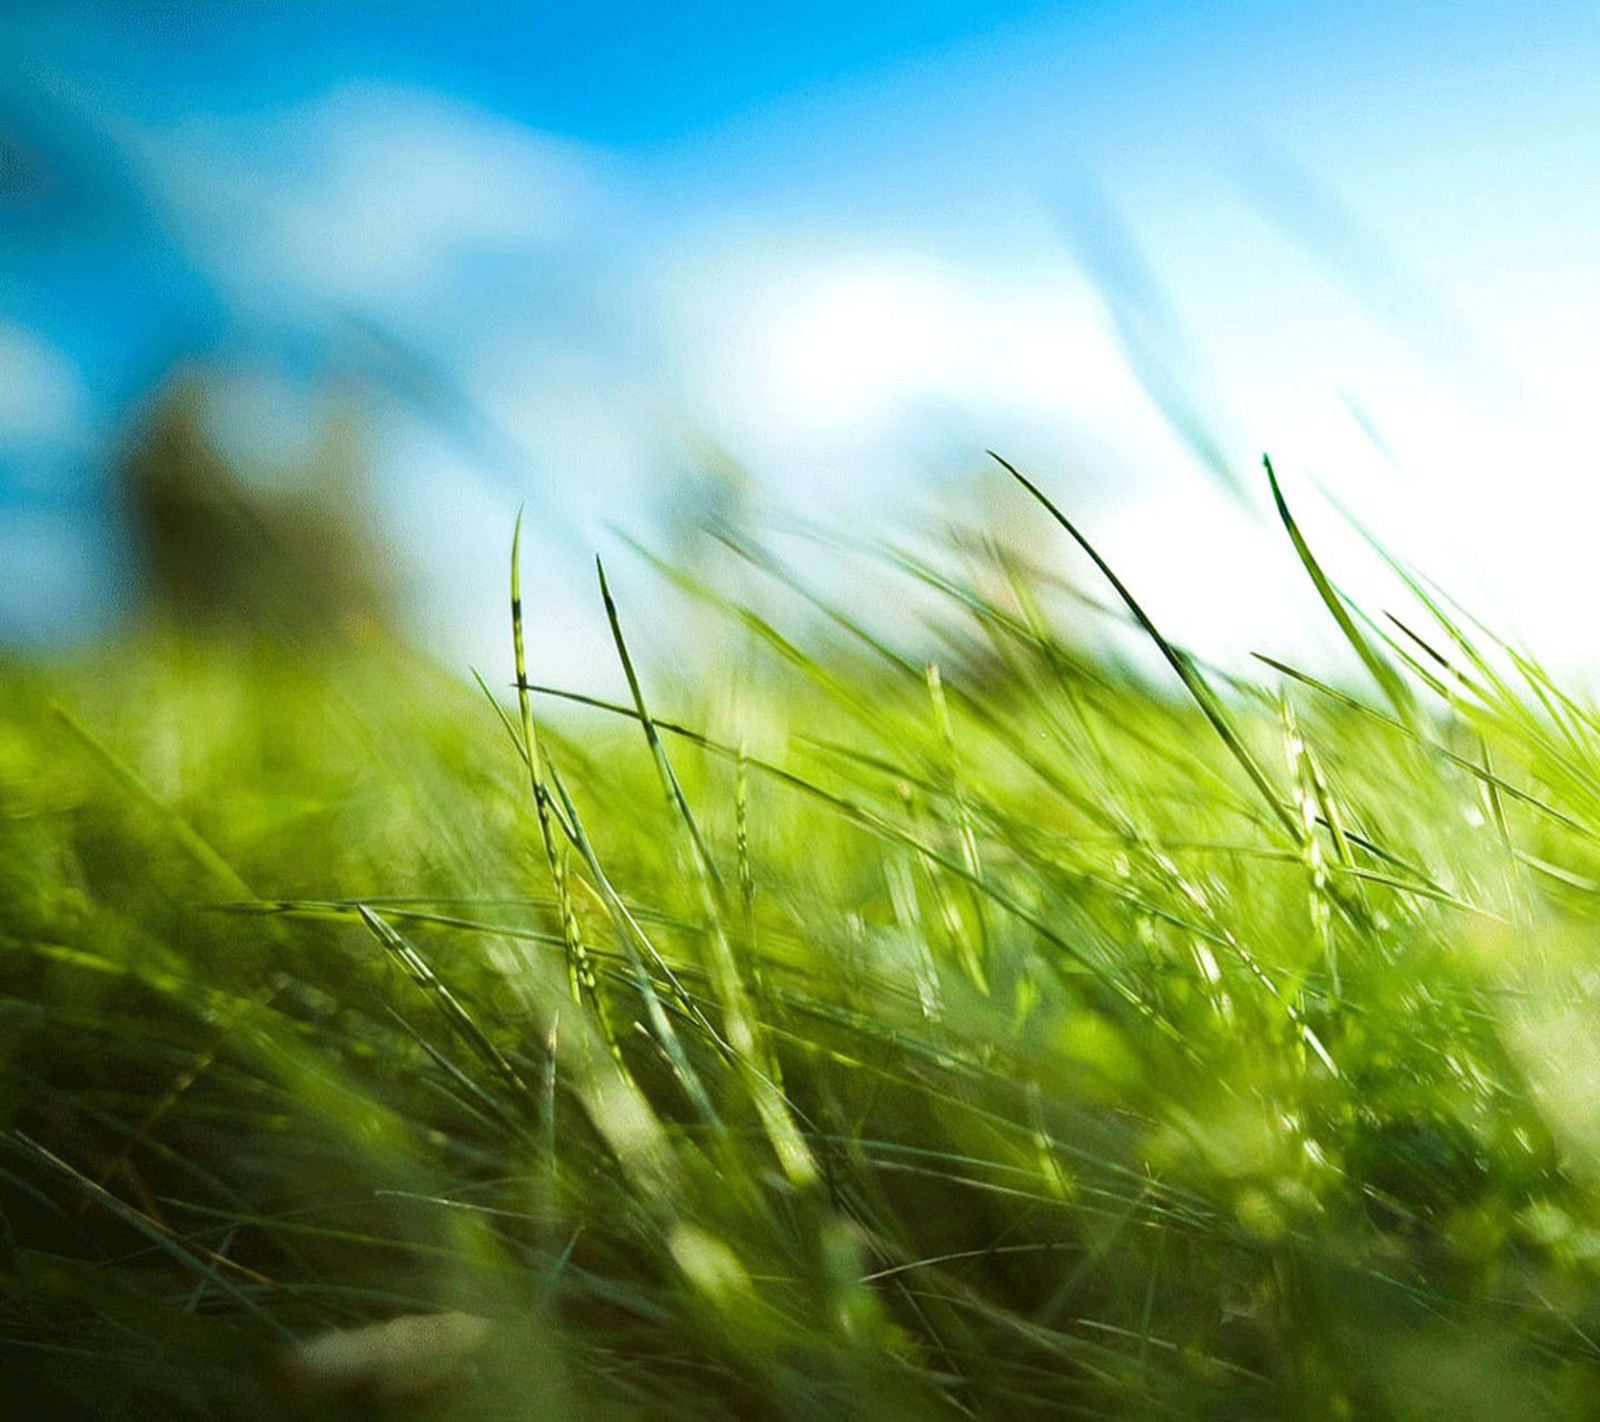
(851, 250)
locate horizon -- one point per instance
(1131, 247)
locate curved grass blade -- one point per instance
(455, 1013)
(1389, 682)
(742, 1025)
(1196, 685)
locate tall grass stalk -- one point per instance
(943, 1028)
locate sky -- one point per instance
(571, 255)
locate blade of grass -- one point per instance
(455, 1013)
(1399, 696)
(1193, 682)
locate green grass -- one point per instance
(858, 1032)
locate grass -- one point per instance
(982, 1034)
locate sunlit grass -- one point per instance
(965, 1030)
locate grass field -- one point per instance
(834, 1030)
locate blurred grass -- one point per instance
(983, 1034)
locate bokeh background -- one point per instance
(632, 265)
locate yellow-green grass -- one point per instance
(959, 1030)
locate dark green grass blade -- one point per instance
(743, 1030)
(1196, 685)
(214, 1271)
(1399, 696)
(632, 938)
(669, 780)
(460, 1020)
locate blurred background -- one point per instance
(632, 266)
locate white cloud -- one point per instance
(406, 186)
(368, 196)
(42, 399)
(851, 364)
